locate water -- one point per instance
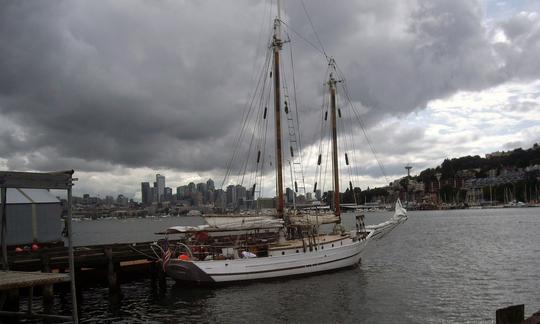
(438, 267)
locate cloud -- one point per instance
(111, 86)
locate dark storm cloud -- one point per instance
(162, 84)
(119, 83)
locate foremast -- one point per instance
(333, 119)
(276, 45)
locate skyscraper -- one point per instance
(210, 185)
(160, 181)
(231, 195)
(167, 195)
(146, 193)
(192, 187)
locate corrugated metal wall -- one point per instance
(19, 223)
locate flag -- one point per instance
(166, 257)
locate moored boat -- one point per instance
(284, 242)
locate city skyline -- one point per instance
(433, 80)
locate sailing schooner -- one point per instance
(247, 248)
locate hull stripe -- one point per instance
(282, 269)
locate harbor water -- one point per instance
(454, 266)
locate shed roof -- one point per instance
(28, 196)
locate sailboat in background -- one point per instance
(246, 249)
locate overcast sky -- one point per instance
(122, 90)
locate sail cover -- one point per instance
(233, 225)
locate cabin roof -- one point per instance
(29, 196)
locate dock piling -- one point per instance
(47, 290)
(510, 315)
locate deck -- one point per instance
(22, 279)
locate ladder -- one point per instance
(294, 151)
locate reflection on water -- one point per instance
(439, 266)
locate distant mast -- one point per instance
(276, 44)
(335, 164)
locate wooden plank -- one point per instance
(510, 315)
(35, 316)
(21, 279)
(534, 319)
(34, 180)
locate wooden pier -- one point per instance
(62, 180)
(12, 281)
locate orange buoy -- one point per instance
(35, 247)
(183, 257)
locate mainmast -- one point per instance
(276, 44)
(333, 116)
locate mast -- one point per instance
(276, 44)
(335, 167)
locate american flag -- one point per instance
(166, 254)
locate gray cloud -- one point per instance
(97, 85)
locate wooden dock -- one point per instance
(12, 281)
(51, 259)
(22, 279)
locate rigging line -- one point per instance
(343, 134)
(263, 162)
(328, 148)
(253, 135)
(262, 105)
(313, 28)
(318, 150)
(245, 117)
(324, 110)
(361, 122)
(299, 137)
(348, 141)
(353, 156)
(326, 162)
(305, 39)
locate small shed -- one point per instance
(33, 215)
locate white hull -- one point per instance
(331, 255)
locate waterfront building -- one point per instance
(231, 196)
(201, 187)
(109, 200)
(197, 198)
(153, 193)
(167, 195)
(121, 200)
(182, 192)
(289, 195)
(318, 194)
(160, 182)
(146, 193)
(220, 200)
(210, 185)
(191, 187)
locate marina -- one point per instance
(403, 278)
(116, 118)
